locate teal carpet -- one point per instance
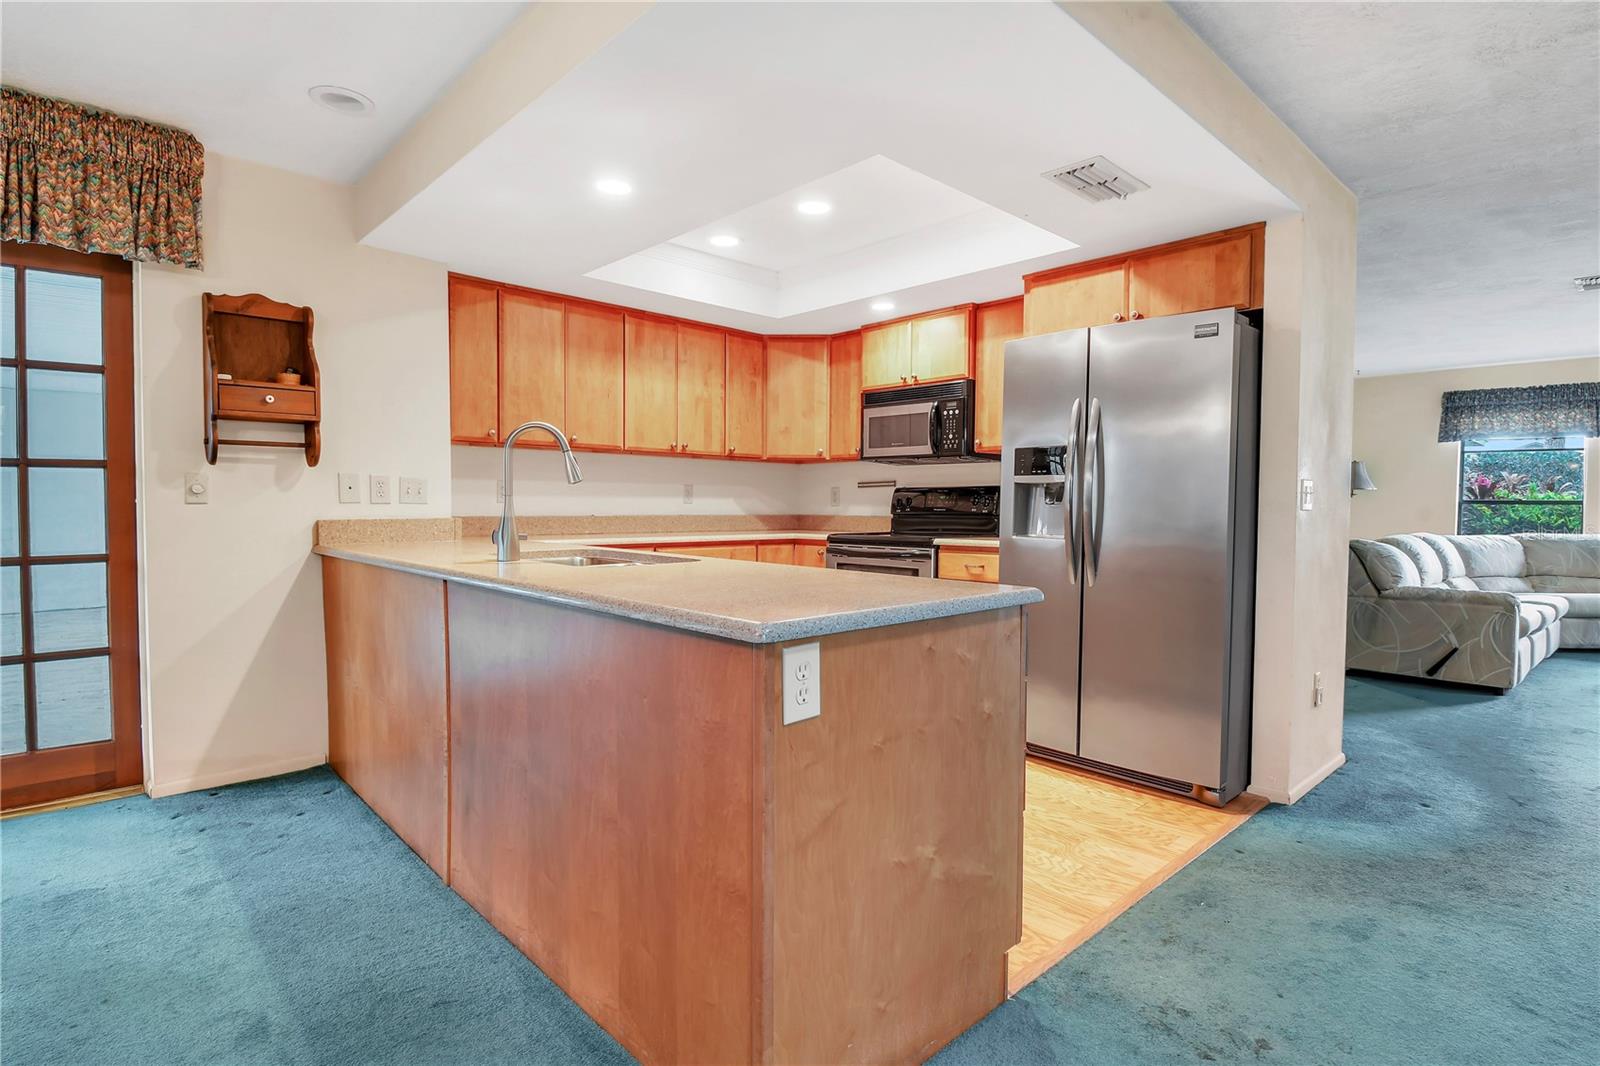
(1435, 902)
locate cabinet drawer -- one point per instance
(265, 402)
(969, 565)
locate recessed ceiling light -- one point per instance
(883, 305)
(614, 187)
(725, 240)
(338, 98)
(813, 207)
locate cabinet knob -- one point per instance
(570, 440)
(730, 451)
(902, 379)
(493, 433)
(1136, 314)
(977, 442)
(915, 378)
(269, 398)
(819, 453)
(1117, 317)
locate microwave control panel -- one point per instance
(950, 426)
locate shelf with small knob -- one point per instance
(260, 366)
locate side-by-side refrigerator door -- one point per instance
(1041, 531)
(1157, 574)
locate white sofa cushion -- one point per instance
(1387, 566)
(1430, 568)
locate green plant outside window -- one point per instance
(1521, 485)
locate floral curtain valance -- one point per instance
(1532, 411)
(91, 181)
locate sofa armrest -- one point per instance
(1504, 601)
(1452, 634)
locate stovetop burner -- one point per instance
(917, 516)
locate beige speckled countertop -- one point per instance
(758, 603)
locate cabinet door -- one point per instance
(474, 360)
(701, 388)
(885, 355)
(797, 397)
(1198, 277)
(1092, 298)
(844, 396)
(594, 376)
(775, 553)
(532, 364)
(995, 324)
(808, 553)
(746, 396)
(650, 384)
(941, 345)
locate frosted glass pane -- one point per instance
(10, 610)
(66, 415)
(10, 542)
(74, 701)
(66, 511)
(8, 411)
(13, 726)
(69, 606)
(8, 312)
(63, 316)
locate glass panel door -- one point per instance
(69, 715)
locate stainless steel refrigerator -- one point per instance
(1129, 498)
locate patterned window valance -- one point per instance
(91, 181)
(1532, 411)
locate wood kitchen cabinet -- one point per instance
(1193, 277)
(886, 354)
(1075, 298)
(808, 553)
(776, 552)
(594, 344)
(994, 325)
(969, 564)
(474, 361)
(797, 397)
(650, 385)
(933, 347)
(746, 396)
(532, 364)
(702, 389)
(844, 396)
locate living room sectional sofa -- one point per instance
(1477, 610)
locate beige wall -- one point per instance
(1397, 436)
(234, 670)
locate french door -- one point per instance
(69, 623)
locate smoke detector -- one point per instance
(1587, 284)
(1097, 180)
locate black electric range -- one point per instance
(917, 516)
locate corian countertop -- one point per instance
(757, 603)
(813, 535)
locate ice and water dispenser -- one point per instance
(1039, 480)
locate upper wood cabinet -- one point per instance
(844, 396)
(702, 389)
(1194, 277)
(1076, 298)
(474, 361)
(746, 396)
(994, 325)
(886, 354)
(931, 347)
(532, 364)
(650, 385)
(797, 397)
(594, 344)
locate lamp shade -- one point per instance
(1360, 481)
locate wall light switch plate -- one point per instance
(833, 495)
(1317, 691)
(1308, 493)
(196, 489)
(349, 488)
(378, 488)
(802, 682)
(413, 490)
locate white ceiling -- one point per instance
(1471, 134)
(709, 109)
(236, 75)
(889, 228)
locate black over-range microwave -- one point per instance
(920, 424)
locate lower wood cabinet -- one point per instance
(810, 553)
(969, 564)
(781, 552)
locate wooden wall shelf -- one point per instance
(250, 340)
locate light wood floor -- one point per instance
(1092, 847)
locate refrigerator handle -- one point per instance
(1093, 495)
(1074, 468)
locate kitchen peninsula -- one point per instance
(589, 745)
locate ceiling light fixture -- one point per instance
(613, 187)
(883, 305)
(813, 207)
(344, 101)
(725, 240)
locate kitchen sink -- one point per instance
(587, 557)
(583, 560)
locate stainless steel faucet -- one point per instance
(506, 546)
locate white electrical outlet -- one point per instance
(1308, 494)
(802, 682)
(833, 495)
(349, 488)
(196, 488)
(413, 490)
(499, 490)
(378, 488)
(688, 494)
(1317, 692)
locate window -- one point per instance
(1521, 485)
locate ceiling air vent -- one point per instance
(1588, 283)
(1097, 179)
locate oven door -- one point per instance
(885, 559)
(899, 431)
